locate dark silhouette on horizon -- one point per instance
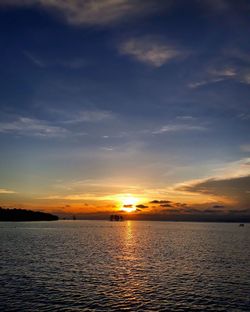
(116, 218)
(7, 214)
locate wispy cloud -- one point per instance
(64, 126)
(91, 12)
(227, 73)
(71, 197)
(234, 169)
(149, 50)
(240, 74)
(74, 63)
(6, 191)
(201, 83)
(179, 128)
(244, 116)
(186, 118)
(32, 127)
(34, 59)
(224, 72)
(214, 75)
(95, 115)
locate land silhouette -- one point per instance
(16, 215)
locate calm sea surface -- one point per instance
(127, 266)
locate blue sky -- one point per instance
(105, 98)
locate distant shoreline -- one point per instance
(23, 215)
(154, 220)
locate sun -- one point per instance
(129, 203)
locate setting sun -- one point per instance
(129, 209)
(129, 203)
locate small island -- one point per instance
(16, 215)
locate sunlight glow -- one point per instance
(129, 203)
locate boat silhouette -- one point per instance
(116, 218)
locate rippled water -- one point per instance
(127, 266)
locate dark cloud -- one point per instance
(166, 205)
(241, 211)
(212, 211)
(218, 206)
(180, 204)
(174, 211)
(160, 201)
(192, 210)
(128, 206)
(232, 188)
(141, 206)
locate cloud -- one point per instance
(160, 201)
(240, 74)
(218, 206)
(73, 64)
(197, 84)
(5, 191)
(91, 12)
(186, 118)
(179, 128)
(244, 116)
(235, 169)
(166, 205)
(90, 116)
(224, 72)
(234, 188)
(26, 126)
(149, 50)
(71, 197)
(169, 204)
(32, 127)
(107, 149)
(35, 60)
(215, 75)
(141, 206)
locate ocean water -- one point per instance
(126, 266)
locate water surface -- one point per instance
(126, 266)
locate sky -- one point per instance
(126, 106)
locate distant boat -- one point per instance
(116, 218)
(241, 224)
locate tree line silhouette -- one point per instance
(15, 214)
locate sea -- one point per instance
(124, 266)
